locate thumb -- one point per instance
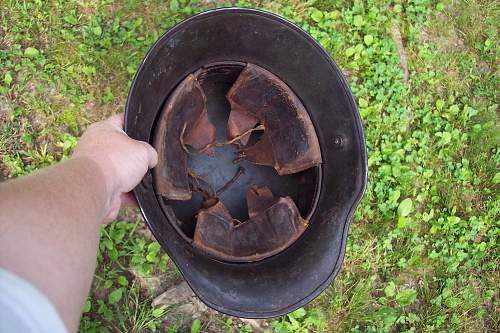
(117, 120)
(128, 200)
(152, 154)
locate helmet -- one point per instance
(215, 48)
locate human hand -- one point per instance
(122, 160)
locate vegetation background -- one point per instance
(423, 251)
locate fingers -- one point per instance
(117, 120)
(128, 200)
(114, 122)
(152, 154)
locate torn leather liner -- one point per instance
(288, 144)
(290, 279)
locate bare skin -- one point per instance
(49, 221)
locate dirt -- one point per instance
(6, 109)
(5, 40)
(444, 36)
(403, 60)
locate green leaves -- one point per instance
(394, 195)
(496, 178)
(317, 15)
(87, 306)
(153, 250)
(406, 297)
(115, 296)
(7, 78)
(387, 315)
(174, 5)
(358, 21)
(405, 207)
(31, 52)
(299, 313)
(350, 51)
(445, 138)
(390, 289)
(430, 201)
(158, 312)
(300, 320)
(89, 70)
(440, 104)
(97, 30)
(196, 326)
(368, 39)
(122, 280)
(71, 19)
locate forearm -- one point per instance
(49, 231)
(49, 221)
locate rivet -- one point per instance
(338, 140)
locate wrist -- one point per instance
(98, 179)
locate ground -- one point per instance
(422, 253)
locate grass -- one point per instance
(422, 254)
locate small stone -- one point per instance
(194, 309)
(175, 295)
(184, 300)
(6, 109)
(255, 324)
(153, 284)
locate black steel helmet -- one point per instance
(217, 46)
